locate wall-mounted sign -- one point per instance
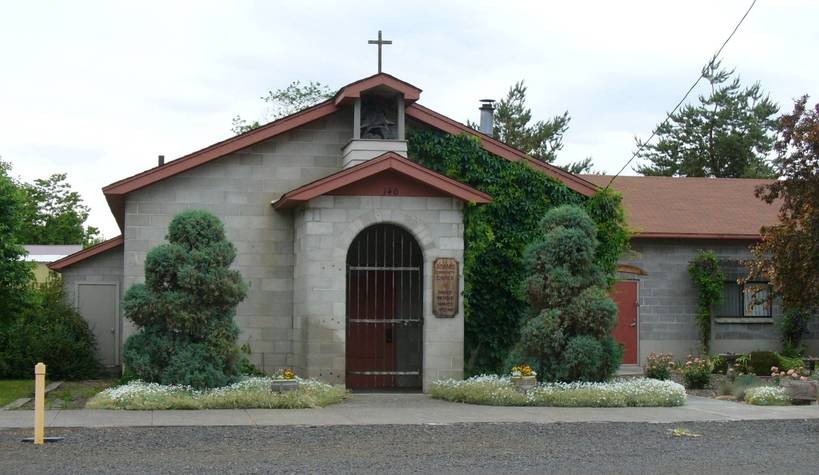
(445, 287)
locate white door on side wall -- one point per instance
(98, 303)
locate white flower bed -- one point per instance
(251, 392)
(767, 396)
(499, 391)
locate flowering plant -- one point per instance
(794, 374)
(696, 372)
(658, 366)
(288, 374)
(523, 370)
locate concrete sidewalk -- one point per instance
(375, 409)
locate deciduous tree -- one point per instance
(283, 102)
(788, 254)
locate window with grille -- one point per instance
(753, 299)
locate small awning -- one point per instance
(389, 174)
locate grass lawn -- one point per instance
(12, 389)
(73, 394)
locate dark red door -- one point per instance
(624, 295)
(384, 309)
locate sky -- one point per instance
(99, 89)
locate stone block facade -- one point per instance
(668, 300)
(324, 229)
(239, 189)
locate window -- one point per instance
(750, 300)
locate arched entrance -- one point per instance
(384, 309)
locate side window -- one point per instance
(750, 300)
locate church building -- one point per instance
(353, 253)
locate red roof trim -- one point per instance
(87, 253)
(353, 91)
(387, 161)
(738, 237)
(441, 122)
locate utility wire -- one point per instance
(702, 75)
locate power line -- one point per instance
(702, 75)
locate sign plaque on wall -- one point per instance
(445, 287)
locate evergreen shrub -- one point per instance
(568, 335)
(496, 235)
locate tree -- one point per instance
(15, 273)
(54, 214)
(283, 102)
(729, 134)
(186, 306)
(788, 253)
(568, 336)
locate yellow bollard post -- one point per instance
(39, 402)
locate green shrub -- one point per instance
(696, 373)
(658, 366)
(185, 308)
(762, 361)
(792, 327)
(719, 365)
(767, 396)
(496, 235)
(48, 331)
(786, 363)
(568, 336)
(709, 280)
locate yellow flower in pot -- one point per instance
(523, 377)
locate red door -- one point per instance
(624, 295)
(370, 334)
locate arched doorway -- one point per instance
(384, 309)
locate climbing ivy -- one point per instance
(708, 279)
(496, 234)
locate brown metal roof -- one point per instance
(697, 208)
(87, 253)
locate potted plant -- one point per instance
(284, 381)
(523, 377)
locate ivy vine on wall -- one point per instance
(708, 279)
(496, 234)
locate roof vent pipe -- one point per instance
(487, 116)
(161, 160)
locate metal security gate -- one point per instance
(384, 309)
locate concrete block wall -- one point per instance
(668, 301)
(324, 229)
(239, 188)
(105, 267)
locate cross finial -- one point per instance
(379, 42)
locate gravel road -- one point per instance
(722, 447)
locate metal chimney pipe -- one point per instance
(487, 116)
(161, 160)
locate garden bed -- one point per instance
(500, 391)
(250, 393)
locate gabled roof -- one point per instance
(692, 208)
(115, 192)
(388, 162)
(87, 253)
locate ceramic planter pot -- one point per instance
(284, 385)
(524, 383)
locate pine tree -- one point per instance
(186, 306)
(568, 337)
(729, 134)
